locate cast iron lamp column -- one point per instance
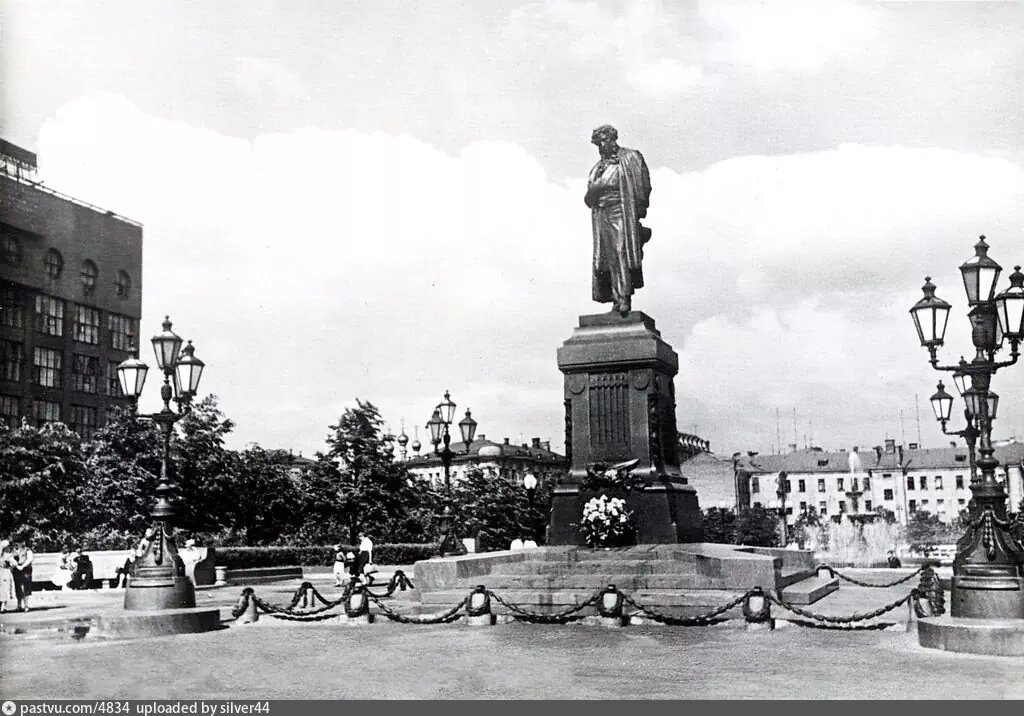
(988, 572)
(158, 580)
(530, 483)
(438, 425)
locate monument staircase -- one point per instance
(678, 579)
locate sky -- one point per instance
(385, 200)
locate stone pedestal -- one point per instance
(620, 405)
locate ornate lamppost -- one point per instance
(988, 572)
(158, 580)
(780, 491)
(438, 425)
(530, 484)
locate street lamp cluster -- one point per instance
(158, 580)
(438, 425)
(988, 570)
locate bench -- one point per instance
(199, 566)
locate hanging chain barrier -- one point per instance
(564, 617)
(836, 573)
(926, 599)
(712, 617)
(826, 621)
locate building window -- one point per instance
(12, 309)
(85, 374)
(924, 483)
(89, 275)
(823, 508)
(87, 325)
(802, 485)
(757, 504)
(803, 507)
(961, 502)
(924, 502)
(11, 250)
(755, 484)
(113, 382)
(83, 420)
(49, 315)
(867, 483)
(959, 482)
(839, 484)
(12, 355)
(46, 367)
(867, 505)
(842, 506)
(886, 494)
(821, 485)
(121, 330)
(912, 505)
(887, 475)
(910, 482)
(46, 411)
(938, 482)
(856, 484)
(123, 284)
(787, 486)
(54, 263)
(9, 410)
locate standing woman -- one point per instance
(8, 598)
(23, 574)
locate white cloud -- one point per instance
(665, 76)
(790, 35)
(263, 78)
(317, 266)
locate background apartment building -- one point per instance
(70, 294)
(901, 480)
(505, 459)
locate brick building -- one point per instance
(901, 480)
(70, 293)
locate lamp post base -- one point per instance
(987, 597)
(451, 545)
(152, 593)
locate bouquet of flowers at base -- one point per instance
(606, 521)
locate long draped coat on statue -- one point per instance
(635, 190)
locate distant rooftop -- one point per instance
(20, 165)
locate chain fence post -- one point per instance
(245, 610)
(609, 606)
(757, 610)
(478, 608)
(357, 607)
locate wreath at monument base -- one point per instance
(620, 476)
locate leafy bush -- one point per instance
(719, 525)
(319, 555)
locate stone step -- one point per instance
(669, 601)
(792, 575)
(641, 552)
(623, 566)
(624, 582)
(810, 590)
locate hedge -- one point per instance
(313, 556)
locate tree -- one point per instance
(356, 485)
(264, 502)
(203, 468)
(757, 526)
(495, 510)
(123, 460)
(41, 478)
(719, 525)
(924, 531)
(808, 520)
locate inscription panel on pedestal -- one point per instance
(608, 398)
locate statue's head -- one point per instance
(605, 138)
